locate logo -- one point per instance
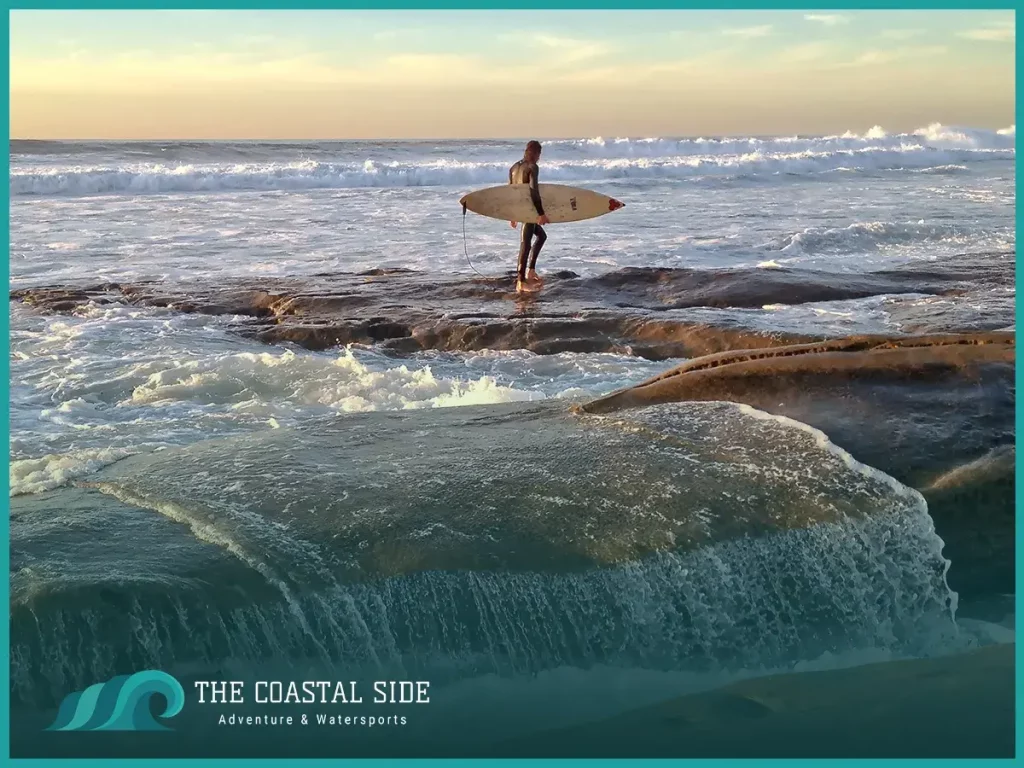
(120, 704)
(572, 202)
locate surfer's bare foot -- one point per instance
(534, 278)
(524, 286)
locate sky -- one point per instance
(488, 74)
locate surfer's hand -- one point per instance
(513, 224)
(543, 220)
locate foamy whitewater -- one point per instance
(140, 379)
(129, 396)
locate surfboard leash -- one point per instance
(466, 247)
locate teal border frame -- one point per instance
(512, 5)
(547, 5)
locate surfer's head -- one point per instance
(533, 151)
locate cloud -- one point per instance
(900, 34)
(97, 72)
(385, 35)
(749, 32)
(141, 70)
(828, 19)
(875, 57)
(999, 32)
(799, 54)
(555, 59)
(430, 62)
(567, 50)
(258, 46)
(254, 40)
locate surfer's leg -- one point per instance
(540, 237)
(524, 247)
(524, 252)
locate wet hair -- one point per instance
(533, 146)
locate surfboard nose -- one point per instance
(614, 205)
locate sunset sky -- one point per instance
(438, 74)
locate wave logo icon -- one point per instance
(120, 704)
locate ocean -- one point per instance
(276, 414)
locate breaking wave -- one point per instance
(936, 148)
(654, 542)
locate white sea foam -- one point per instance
(950, 137)
(89, 389)
(932, 135)
(55, 470)
(870, 235)
(567, 161)
(274, 383)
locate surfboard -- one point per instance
(562, 204)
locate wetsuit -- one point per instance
(525, 172)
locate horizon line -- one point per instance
(208, 140)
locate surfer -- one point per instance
(525, 172)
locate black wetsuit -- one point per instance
(525, 172)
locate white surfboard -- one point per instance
(562, 204)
